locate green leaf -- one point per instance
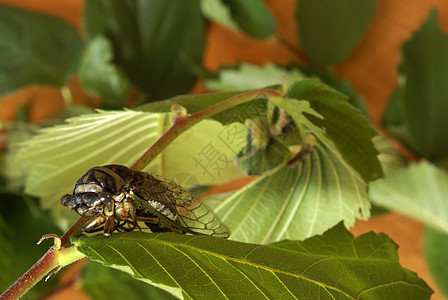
(100, 77)
(436, 254)
(390, 157)
(157, 43)
(248, 76)
(341, 85)
(254, 160)
(59, 155)
(418, 191)
(394, 113)
(334, 266)
(295, 202)
(6, 253)
(345, 125)
(394, 116)
(35, 49)
(330, 29)
(13, 170)
(67, 112)
(251, 16)
(267, 142)
(21, 224)
(100, 282)
(196, 103)
(425, 95)
(219, 12)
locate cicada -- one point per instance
(115, 197)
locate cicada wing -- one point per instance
(152, 208)
(150, 186)
(201, 219)
(191, 215)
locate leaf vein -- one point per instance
(244, 261)
(200, 268)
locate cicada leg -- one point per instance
(94, 224)
(109, 226)
(109, 222)
(152, 220)
(155, 225)
(131, 225)
(152, 223)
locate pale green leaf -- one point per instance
(254, 160)
(11, 169)
(418, 191)
(296, 202)
(334, 266)
(390, 158)
(301, 201)
(59, 155)
(217, 11)
(249, 76)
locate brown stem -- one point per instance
(75, 227)
(301, 55)
(183, 124)
(41, 268)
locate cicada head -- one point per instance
(87, 204)
(100, 194)
(95, 192)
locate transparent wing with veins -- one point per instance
(176, 205)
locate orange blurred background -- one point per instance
(371, 69)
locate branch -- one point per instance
(184, 123)
(48, 262)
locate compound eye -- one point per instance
(105, 197)
(88, 188)
(67, 200)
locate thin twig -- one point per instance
(42, 267)
(184, 123)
